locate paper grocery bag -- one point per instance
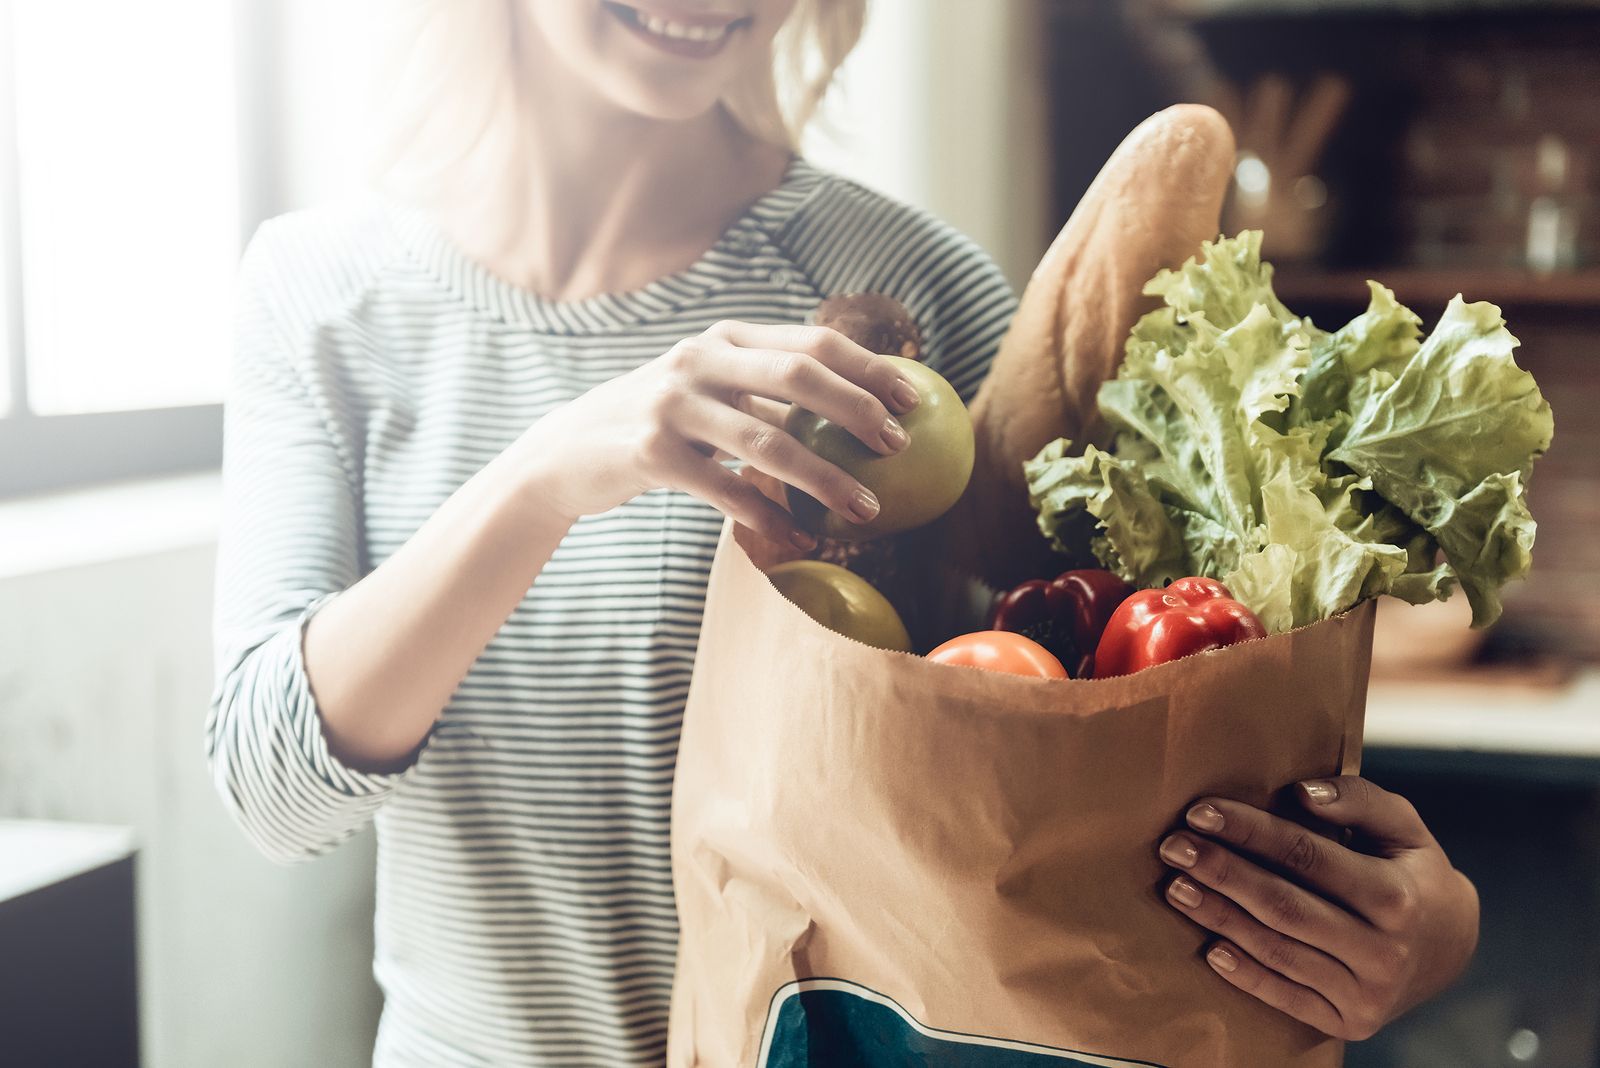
(882, 861)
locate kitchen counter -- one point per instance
(1549, 732)
(69, 986)
(36, 854)
(1563, 721)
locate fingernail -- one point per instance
(1179, 852)
(1184, 893)
(894, 435)
(905, 394)
(1221, 959)
(1204, 817)
(1319, 792)
(864, 506)
(802, 541)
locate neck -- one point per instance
(573, 196)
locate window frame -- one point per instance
(41, 453)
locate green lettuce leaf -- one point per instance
(1223, 284)
(1131, 532)
(1361, 356)
(1189, 418)
(1451, 442)
(1307, 567)
(1307, 470)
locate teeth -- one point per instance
(678, 31)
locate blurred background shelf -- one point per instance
(1405, 142)
(1426, 289)
(1437, 146)
(1209, 9)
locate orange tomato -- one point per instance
(999, 650)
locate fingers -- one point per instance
(1271, 899)
(1287, 956)
(740, 499)
(1301, 1002)
(773, 450)
(1335, 872)
(1351, 801)
(768, 411)
(869, 370)
(794, 376)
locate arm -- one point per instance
(290, 540)
(1345, 939)
(385, 656)
(329, 682)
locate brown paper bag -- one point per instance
(881, 861)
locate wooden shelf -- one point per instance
(1426, 290)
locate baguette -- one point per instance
(1157, 198)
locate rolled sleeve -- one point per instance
(290, 542)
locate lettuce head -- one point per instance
(1307, 470)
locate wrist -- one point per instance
(1451, 941)
(534, 473)
(1467, 914)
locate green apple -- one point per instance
(842, 601)
(916, 485)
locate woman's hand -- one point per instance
(1344, 938)
(722, 393)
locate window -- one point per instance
(120, 226)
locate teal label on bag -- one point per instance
(832, 1023)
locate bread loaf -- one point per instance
(1157, 198)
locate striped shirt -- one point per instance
(524, 899)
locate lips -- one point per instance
(696, 37)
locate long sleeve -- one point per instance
(524, 872)
(290, 542)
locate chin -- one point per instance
(664, 106)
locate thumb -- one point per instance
(1354, 802)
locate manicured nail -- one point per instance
(1184, 892)
(1319, 792)
(802, 541)
(1221, 959)
(1204, 817)
(905, 395)
(894, 435)
(864, 506)
(1179, 852)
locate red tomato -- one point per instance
(999, 650)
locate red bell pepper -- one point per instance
(1066, 614)
(1189, 616)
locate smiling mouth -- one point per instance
(699, 39)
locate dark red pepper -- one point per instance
(1189, 616)
(1066, 614)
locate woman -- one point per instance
(473, 489)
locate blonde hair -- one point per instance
(776, 103)
(450, 74)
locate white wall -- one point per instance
(105, 673)
(324, 95)
(942, 106)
